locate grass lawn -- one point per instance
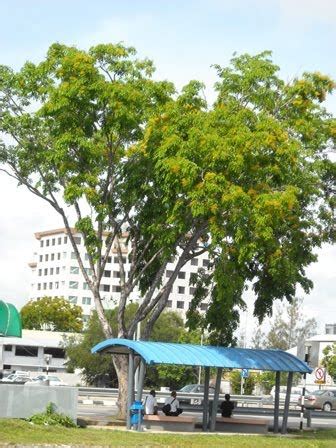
(21, 432)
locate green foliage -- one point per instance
(52, 418)
(54, 314)
(329, 360)
(248, 383)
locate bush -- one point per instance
(52, 418)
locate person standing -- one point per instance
(150, 403)
(174, 404)
(227, 406)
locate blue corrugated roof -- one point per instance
(206, 356)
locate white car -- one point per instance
(53, 380)
(16, 378)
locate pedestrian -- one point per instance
(227, 406)
(172, 406)
(150, 403)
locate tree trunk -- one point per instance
(121, 365)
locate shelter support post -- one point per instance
(141, 379)
(287, 400)
(215, 400)
(206, 398)
(276, 403)
(130, 387)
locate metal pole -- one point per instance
(215, 400)
(276, 403)
(287, 400)
(200, 368)
(141, 379)
(206, 398)
(303, 394)
(130, 387)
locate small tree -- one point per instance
(53, 314)
(329, 360)
(248, 383)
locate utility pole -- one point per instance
(303, 393)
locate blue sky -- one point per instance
(184, 38)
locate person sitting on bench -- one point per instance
(171, 406)
(227, 406)
(150, 404)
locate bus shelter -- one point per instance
(143, 353)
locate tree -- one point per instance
(329, 360)
(53, 314)
(168, 328)
(247, 180)
(248, 383)
(289, 327)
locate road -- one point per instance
(319, 419)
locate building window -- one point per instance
(107, 274)
(55, 352)
(86, 300)
(123, 259)
(58, 255)
(41, 243)
(56, 285)
(65, 239)
(47, 243)
(77, 239)
(85, 286)
(64, 255)
(105, 288)
(116, 274)
(74, 270)
(169, 304)
(73, 256)
(57, 270)
(51, 271)
(40, 272)
(44, 286)
(88, 271)
(116, 288)
(41, 257)
(59, 240)
(204, 306)
(181, 290)
(206, 263)
(8, 348)
(169, 273)
(38, 286)
(73, 299)
(26, 350)
(52, 257)
(192, 290)
(53, 242)
(194, 262)
(73, 285)
(46, 257)
(181, 275)
(50, 285)
(180, 304)
(109, 260)
(46, 271)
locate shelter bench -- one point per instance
(170, 423)
(242, 425)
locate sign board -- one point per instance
(320, 375)
(244, 373)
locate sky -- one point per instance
(184, 38)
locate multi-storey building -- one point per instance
(55, 273)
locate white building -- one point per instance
(55, 273)
(29, 352)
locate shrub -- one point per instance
(52, 418)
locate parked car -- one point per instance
(320, 399)
(16, 378)
(194, 389)
(53, 380)
(295, 395)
